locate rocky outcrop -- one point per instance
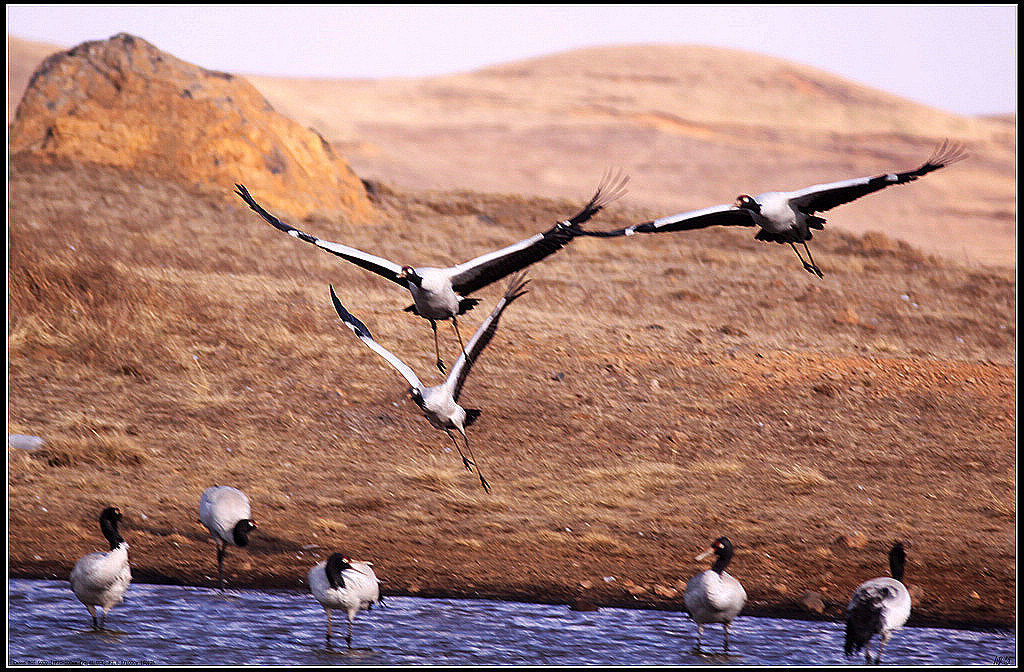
(123, 102)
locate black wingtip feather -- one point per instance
(244, 194)
(611, 188)
(247, 197)
(348, 318)
(516, 287)
(946, 153)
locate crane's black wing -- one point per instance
(470, 276)
(821, 197)
(484, 334)
(380, 266)
(716, 215)
(360, 330)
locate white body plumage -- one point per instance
(101, 579)
(434, 297)
(220, 509)
(339, 583)
(715, 596)
(226, 513)
(878, 607)
(777, 214)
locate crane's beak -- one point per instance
(705, 553)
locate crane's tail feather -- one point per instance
(472, 414)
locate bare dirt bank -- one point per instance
(647, 396)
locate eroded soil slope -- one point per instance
(648, 395)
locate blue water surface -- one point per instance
(166, 625)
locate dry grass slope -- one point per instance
(648, 395)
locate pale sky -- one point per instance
(959, 58)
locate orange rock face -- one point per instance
(123, 102)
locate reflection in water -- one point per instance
(200, 626)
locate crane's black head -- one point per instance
(111, 514)
(409, 273)
(240, 534)
(897, 560)
(744, 202)
(722, 548)
(336, 564)
(109, 519)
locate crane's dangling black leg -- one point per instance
(465, 460)
(809, 267)
(455, 323)
(222, 550)
(483, 481)
(437, 349)
(813, 266)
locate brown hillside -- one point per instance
(123, 102)
(646, 396)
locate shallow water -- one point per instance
(193, 626)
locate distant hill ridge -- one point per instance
(693, 125)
